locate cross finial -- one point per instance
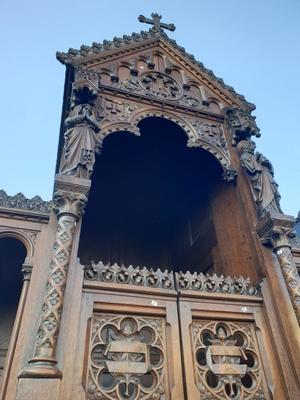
(155, 21)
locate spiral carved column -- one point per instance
(276, 230)
(68, 207)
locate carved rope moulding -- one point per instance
(127, 358)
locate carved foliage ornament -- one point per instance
(19, 201)
(227, 364)
(215, 283)
(129, 275)
(161, 85)
(127, 358)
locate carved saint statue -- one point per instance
(261, 174)
(81, 142)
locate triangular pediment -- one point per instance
(144, 55)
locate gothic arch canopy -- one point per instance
(200, 133)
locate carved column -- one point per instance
(69, 202)
(275, 231)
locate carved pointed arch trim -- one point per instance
(200, 133)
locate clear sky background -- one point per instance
(254, 45)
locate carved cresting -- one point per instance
(276, 230)
(227, 364)
(127, 358)
(68, 206)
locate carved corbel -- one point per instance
(68, 203)
(241, 124)
(229, 175)
(275, 231)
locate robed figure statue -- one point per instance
(81, 142)
(261, 174)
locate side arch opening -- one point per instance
(12, 256)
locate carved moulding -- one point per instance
(124, 115)
(129, 275)
(127, 358)
(68, 203)
(227, 363)
(276, 231)
(215, 284)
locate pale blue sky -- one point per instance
(254, 45)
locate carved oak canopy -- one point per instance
(148, 74)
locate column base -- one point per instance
(41, 368)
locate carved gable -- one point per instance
(159, 72)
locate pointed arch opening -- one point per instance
(149, 204)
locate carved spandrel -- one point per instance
(227, 362)
(127, 358)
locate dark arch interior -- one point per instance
(12, 256)
(149, 204)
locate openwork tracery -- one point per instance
(127, 358)
(227, 361)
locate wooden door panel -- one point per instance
(132, 347)
(223, 357)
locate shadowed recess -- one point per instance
(149, 204)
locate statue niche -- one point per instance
(261, 174)
(81, 141)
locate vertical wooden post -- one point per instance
(276, 230)
(69, 202)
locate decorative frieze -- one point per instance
(215, 284)
(19, 201)
(156, 278)
(153, 278)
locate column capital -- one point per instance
(70, 195)
(275, 230)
